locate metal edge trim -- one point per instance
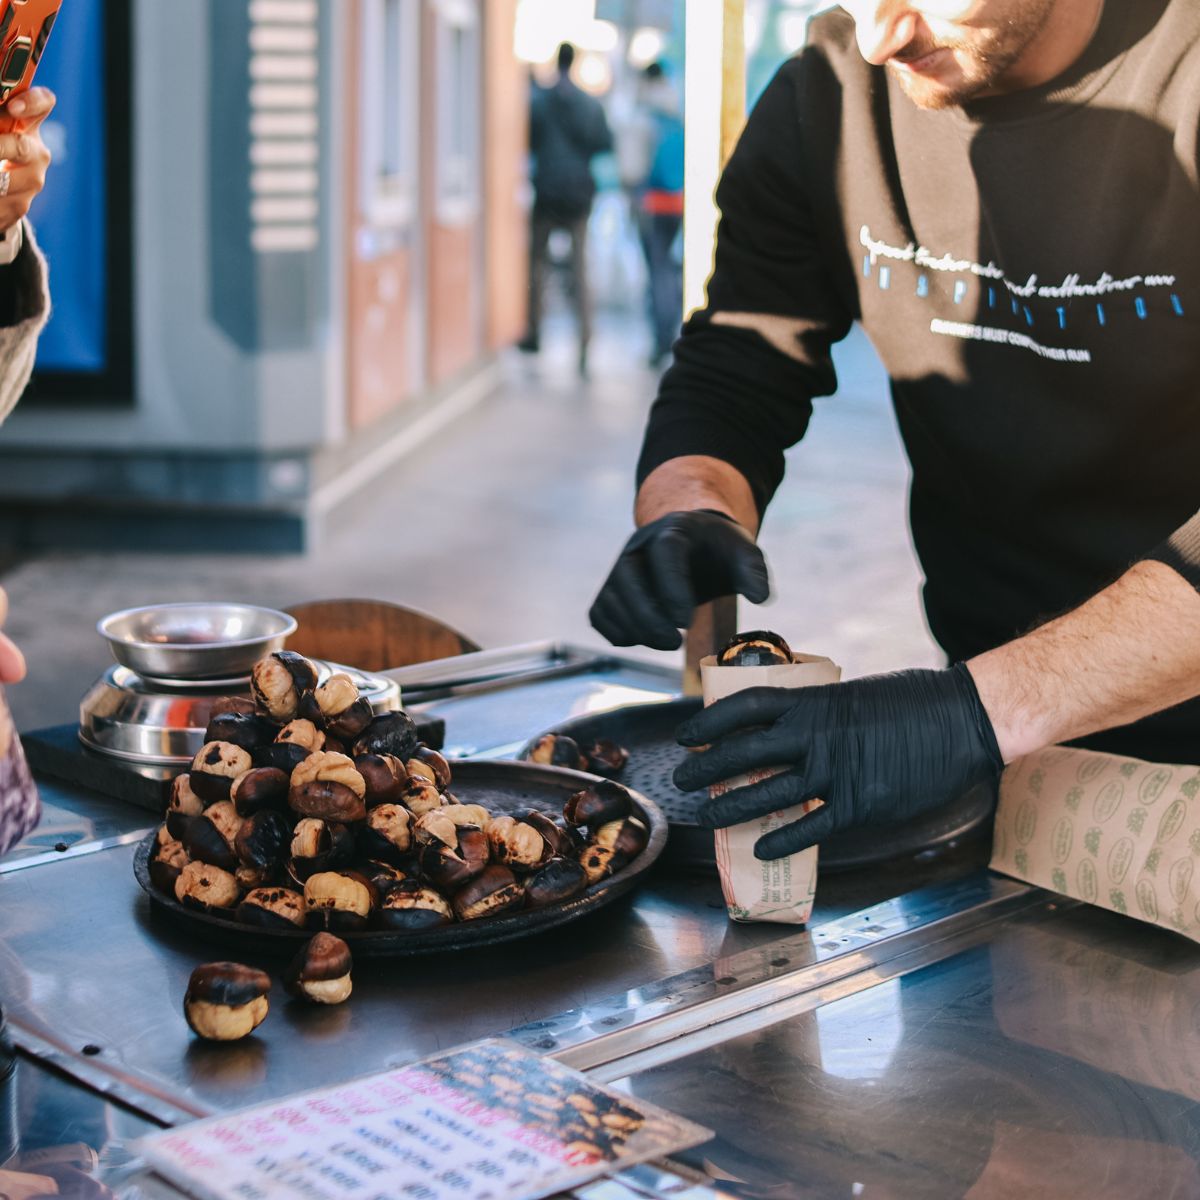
(78, 851)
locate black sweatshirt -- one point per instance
(1027, 267)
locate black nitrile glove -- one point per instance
(671, 566)
(876, 750)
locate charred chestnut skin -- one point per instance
(262, 840)
(387, 834)
(490, 893)
(431, 765)
(273, 908)
(450, 867)
(258, 789)
(557, 750)
(598, 804)
(558, 880)
(201, 885)
(204, 842)
(334, 849)
(756, 648)
(556, 837)
(389, 733)
(349, 724)
(328, 802)
(606, 757)
(320, 972)
(167, 864)
(385, 776)
(411, 907)
(339, 900)
(215, 767)
(241, 729)
(226, 1001)
(383, 877)
(283, 756)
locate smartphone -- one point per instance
(25, 27)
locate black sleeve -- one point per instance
(22, 295)
(748, 365)
(1181, 551)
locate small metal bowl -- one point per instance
(195, 641)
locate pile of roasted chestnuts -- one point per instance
(304, 810)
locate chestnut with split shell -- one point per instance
(421, 796)
(263, 840)
(757, 648)
(319, 846)
(387, 834)
(215, 767)
(226, 1001)
(167, 864)
(450, 866)
(388, 733)
(556, 881)
(259, 788)
(606, 757)
(338, 900)
(598, 804)
(240, 729)
(278, 681)
(273, 908)
(494, 891)
(283, 756)
(429, 764)
(557, 750)
(320, 972)
(302, 733)
(210, 837)
(328, 802)
(384, 776)
(516, 843)
(183, 799)
(201, 885)
(411, 907)
(324, 766)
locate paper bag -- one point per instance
(1116, 832)
(782, 890)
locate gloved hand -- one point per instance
(671, 566)
(875, 750)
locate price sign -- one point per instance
(492, 1121)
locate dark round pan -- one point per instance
(500, 786)
(647, 731)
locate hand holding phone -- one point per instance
(25, 27)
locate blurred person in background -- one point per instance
(659, 200)
(24, 309)
(567, 129)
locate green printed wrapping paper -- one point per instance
(1115, 832)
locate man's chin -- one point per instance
(931, 94)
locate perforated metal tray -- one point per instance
(647, 731)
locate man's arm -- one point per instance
(692, 482)
(1131, 650)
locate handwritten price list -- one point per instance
(490, 1122)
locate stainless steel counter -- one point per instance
(932, 1017)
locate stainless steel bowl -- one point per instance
(194, 641)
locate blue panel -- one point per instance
(71, 214)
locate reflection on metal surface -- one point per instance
(76, 851)
(1020, 1069)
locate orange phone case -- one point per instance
(24, 30)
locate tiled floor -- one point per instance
(506, 523)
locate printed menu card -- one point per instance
(491, 1121)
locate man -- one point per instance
(1004, 192)
(567, 129)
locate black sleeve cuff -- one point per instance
(1181, 551)
(22, 296)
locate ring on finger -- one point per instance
(5, 182)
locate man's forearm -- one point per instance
(696, 481)
(1131, 650)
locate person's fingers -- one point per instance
(21, 149)
(636, 596)
(31, 108)
(784, 790)
(668, 564)
(750, 576)
(12, 662)
(810, 830)
(611, 619)
(733, 755)
(744, 709)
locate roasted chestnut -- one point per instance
(495, 890)
(557, 750)
(384, 776)
(325, 767)
(597, 804)
(429, 764)
(758, 648)
(167, 864)
(345, 713)
(320, 972)
(319, 846)
(338, 900)
(250, 878)
(328, 802)
(389, 733)
(226, 1001)
(302, 733)
(436, 825)
(558, 880)
(450, 865)
(557, 838)
(465, 814)
(613, 845)
(421, 796)
(183, 799)
(231, 704)
(279, 680)
(201, 885)
(240, 729)
(386, 835)
(517, 844)
(262, 841)
(606, 757)
(210, 837)
(273, 908)
(215, 767)
(411, 907)
(383, 877)
(596, 861)
(283, 756)
(259, 788)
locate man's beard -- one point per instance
(982, 61)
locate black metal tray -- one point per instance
(500, 786)
(647, 731)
